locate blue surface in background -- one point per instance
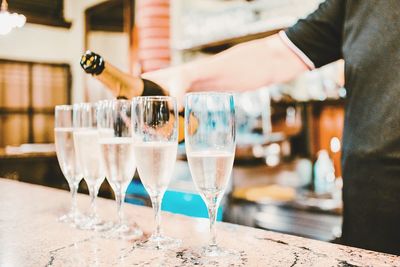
(185, 203)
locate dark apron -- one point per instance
(371, 196)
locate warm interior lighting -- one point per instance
(335, 144)
(9, 21)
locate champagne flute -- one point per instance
(87, 150)
(210, 148)
(116, 142)
(155, 130)
(66, 158)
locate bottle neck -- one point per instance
(120, 83)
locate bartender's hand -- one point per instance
(176, 80)
(247, 66)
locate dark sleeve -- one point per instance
(319, 36)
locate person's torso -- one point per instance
(371, 50)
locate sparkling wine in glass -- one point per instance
(155, 130)
(87, 148)
(116, 144)
(210, 148)
(65, 149)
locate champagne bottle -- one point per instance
(123, 85)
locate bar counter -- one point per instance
(31, 236)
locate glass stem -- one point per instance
(212, 212)
(120, 197)
(93, 193)
(74, 206)
(156, 203)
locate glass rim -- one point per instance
(210, 93)
(81, 103)
(114, 100)
(91, 104)
(154, 98)
(63, 106)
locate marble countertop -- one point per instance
(31, 236)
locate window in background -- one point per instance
(45, 12)
(28, 93)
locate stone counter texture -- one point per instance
(31, 236)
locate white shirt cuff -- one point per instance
(296, 50)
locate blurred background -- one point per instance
(287, 174)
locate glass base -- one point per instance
(215, 251)
(212, 255)
(95, 224)
(159, 243)
(73, 218)
(124, 231)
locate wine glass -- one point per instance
(87, 150)
(210, 148)
(155, 130)
(116, 143)
(66, 158)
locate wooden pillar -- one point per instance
(152, 23)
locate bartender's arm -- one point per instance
(310, 43)
(243, 67)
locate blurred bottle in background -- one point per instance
(324, 174)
